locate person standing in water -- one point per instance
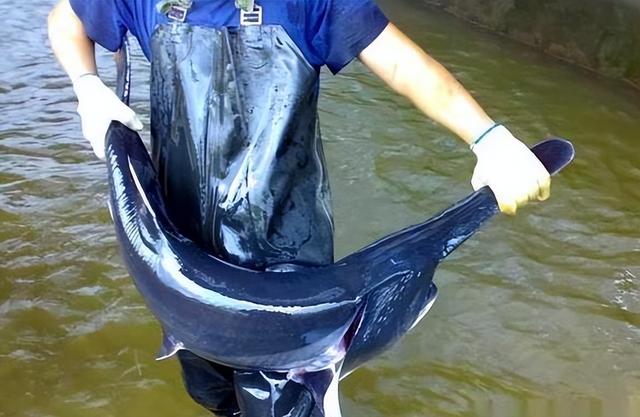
(235, 135)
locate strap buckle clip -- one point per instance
(251, 18)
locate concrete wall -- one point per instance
(603, 35)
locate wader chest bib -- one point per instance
(236, 143)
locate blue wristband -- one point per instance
(477, 141)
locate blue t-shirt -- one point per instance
(328, 32)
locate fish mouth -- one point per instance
(322, 384)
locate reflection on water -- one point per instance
(539, 315)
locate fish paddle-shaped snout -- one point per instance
(403, 264)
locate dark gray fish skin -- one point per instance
(303, 319)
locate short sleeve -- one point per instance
(344, 28)
(105, 21)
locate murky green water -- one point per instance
(538, 315)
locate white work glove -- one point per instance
(98, 106)
(510, 169)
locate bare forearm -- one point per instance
(69, 41)
(505, 164)
(439, 95)
(411, 72)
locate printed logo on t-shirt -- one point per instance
(252, 18)
(175, 10)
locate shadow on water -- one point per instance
(537, 315)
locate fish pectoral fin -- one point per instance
(170, 346)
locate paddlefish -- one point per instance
(289, 317)
(316, 324)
